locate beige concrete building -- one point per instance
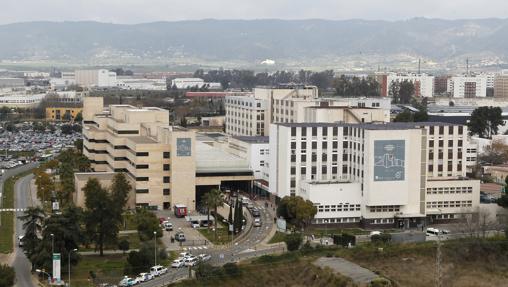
(501, 85)
(166, 164)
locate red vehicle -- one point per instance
(180, 210)
(161, 220)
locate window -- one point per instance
(165, 154)
(314, 131)
(142, 154)
(314, 145)
(166, 191)
(142, 166)
(166, 166)
(166, 179)
(142, 178)
(431, 143)
(142, 190)
(293, 132)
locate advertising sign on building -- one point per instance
(56, 267)
(389, 160)
(183, 147)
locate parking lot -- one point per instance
(193, 239)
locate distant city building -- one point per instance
(129, 83)
(423, 83)
(391, 175)
(59, 113)
(187, 83)
(101, 78)
(501, 85)
(11, 82)
(21, 100)
(441, 85)
(468, 86)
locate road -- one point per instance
(246, 247)
(21, 200)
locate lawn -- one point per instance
(133, 238)
(223, 235)
(7, 218)
(277, 237)
(129, 221)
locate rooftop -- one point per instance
(142, 140)
(252, 139)
(211, 159)
(380, 126)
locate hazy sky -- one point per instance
(137, 11)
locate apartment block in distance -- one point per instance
(385, 175)
(166, 165)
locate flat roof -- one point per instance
(98, 175)
(252, 139)
(214, 160)
(381, 126)
(142, 140)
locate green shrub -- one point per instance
(7, 275)
(206, 271)
(381, 238)
(380, 282)
(293, 241)
(231, 269)
(344, 239)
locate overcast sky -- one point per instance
(139, 11)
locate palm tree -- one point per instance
(215, 199)
(205, 199)
(33, 219)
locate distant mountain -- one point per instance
(238, 41)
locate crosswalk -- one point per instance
(195, 248)
(12, 209)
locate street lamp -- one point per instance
(155, 247)
(52, 244)
(69, 264)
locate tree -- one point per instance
(67, 116)
(137, 262)
(215, 199)
(78, 118)
(406, 91)
(485, 121)
(79, 145)
(238, 217)
(206, 201)
(408, 116)
(100, 220)
(298, 211)
(495, 153)
(45, 185)
(230, 215)
(7, 275)
(123, 245)
(32, 219)
(120, 189)
(147, 222)
(66, 129)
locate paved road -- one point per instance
(246, 247)
(22, 193)
(21, 264)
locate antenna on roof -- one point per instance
(467, 66)
(419, 64)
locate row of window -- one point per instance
(383, 221)
(432, 130)
(165, 191)
(384, 208)
(446, 190)
(337, 220)
(338, 208)
(449, 204)
(165, 179)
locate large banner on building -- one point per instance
(389, 160)
(183, 147)
(56, 267)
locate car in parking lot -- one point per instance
(177, 263)
(195, 223)
(168, 226)
(185, 254)
(204, 257)
(257, 222)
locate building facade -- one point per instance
(101, 78)
(60, 113)
(393, 174)
(468, 86)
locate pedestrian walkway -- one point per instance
(190, 248)
(12, 209)
(354, 271)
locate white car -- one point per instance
(191, 261)
(375, 233)
(177, 263)
(195, 224)
(158, 270)
(257, 222)
(143, 277)
(185, 254)
(204, 257)
(20, 240)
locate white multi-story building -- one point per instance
(142, 84)
(468, 86)
(187, 83)
(250, 115)
(395, 174)
(21, 100)
(101, 78)
(423, 83)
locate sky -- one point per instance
(142, 11)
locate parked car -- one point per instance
(191, 261)
(127, 281)
(257, 222)
(372, 233)
(168, 226)
(432, 231)
(194, 223)
(20, 240)
(185, 254)
(177, 263)
(204, 257)
(158, 270)
(143, 277)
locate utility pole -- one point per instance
(467, 66)
(419, 65)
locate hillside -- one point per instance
(288, 42)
